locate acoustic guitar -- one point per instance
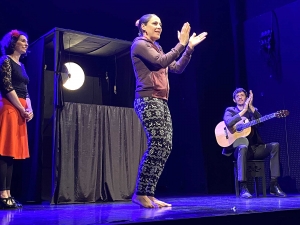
(226, 136)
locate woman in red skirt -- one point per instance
(15, 111)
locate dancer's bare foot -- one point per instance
(142, 200)
(159, 203)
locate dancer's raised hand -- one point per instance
(196, 39)
(184, 34)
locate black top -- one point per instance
(13, 77)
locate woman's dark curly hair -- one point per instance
(9, 41)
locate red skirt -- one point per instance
(13, 130)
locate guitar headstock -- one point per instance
(282, 113)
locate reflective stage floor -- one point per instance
(185, 210)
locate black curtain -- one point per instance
(273, 77)
(99, 151)
(238, 15)
(216, 82)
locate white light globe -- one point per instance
(76, 76)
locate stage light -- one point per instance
(73, 77)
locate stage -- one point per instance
(213, 209)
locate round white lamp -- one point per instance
(75, 76)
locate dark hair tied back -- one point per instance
(143, 20)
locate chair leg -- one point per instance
(256, 186)
(237, 187)
(264, 186)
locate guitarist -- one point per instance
(251, 147)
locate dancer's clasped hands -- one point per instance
(185, 38)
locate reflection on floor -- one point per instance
(185, 210)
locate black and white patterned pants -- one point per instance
(155, 117)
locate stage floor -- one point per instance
(185, 210)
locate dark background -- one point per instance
(230, 57)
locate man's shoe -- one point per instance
(276, 190)
(244, 192)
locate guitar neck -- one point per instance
(259, 120)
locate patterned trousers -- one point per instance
(155, 117)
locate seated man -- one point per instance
(251, 147)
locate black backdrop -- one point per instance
(272, 74)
